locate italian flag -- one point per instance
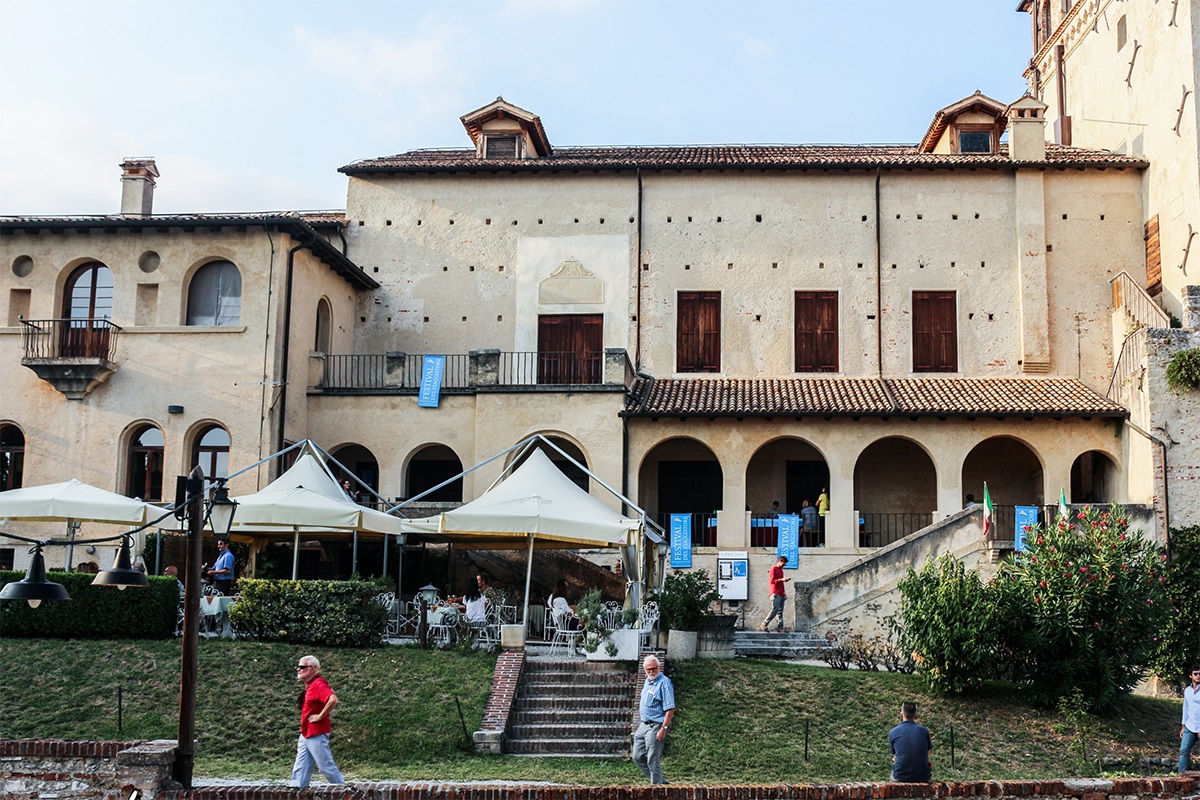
(987, 511)
(1063, 511)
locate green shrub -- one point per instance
(93, 612)
(686, 599)
(1178, 646)
(1082, 608)
(329, 613)
(948, 623)
(1183, 370)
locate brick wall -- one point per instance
(490, 736)
(53, 768)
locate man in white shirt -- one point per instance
(1189, 729)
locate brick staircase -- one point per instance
(778, 645)
(576, 709)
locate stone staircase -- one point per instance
(778, 645)
(575, 709)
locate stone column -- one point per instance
(485, 368)
(393, 370)
(1191, 306)
(841, 523)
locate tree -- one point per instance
(1178, 646)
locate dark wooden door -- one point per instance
(698, 332)
(570, 348)
(935, 332)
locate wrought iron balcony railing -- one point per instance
(47, 339)
(490, 368)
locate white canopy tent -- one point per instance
(306, 498)
(74, 502)
(536, 505)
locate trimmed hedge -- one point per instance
(329, 613)
(93, 612)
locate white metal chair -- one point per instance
(564, 637)
(548, 625)
(613, 615)
(647, 622)
(388, 601)
(444, 630)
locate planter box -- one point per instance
(627, 642)
(716, 637)
(681, 645)
(512, 637)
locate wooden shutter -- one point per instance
(935, 332)
(570, 348)
(1153, 258)
(816, 332)
(698, 332)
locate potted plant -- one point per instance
(685, 603)
(600, 641)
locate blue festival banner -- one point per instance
(431, 381)
(681, 540)
(789, 539)
(1024, 517)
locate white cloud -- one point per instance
(529, 7)
(425, 63)
(755, 48)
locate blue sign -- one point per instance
(681, 540)
(1025, 517)
(789, 540)
(431, 381)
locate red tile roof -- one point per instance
(733, 156)
(867, 397)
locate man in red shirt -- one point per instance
(312, 749)
(778, 594)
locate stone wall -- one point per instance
(38, 769)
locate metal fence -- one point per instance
(880, 528)
(558, 369)
(354, 372)
(456, 373)
(704, 527)
(69, 338)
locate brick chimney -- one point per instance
(137, 186)
(1027, 130)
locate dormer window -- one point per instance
(975, 141)
(501, 147)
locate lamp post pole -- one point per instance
(185, 752)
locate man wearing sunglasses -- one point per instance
(312, 749)
(1189, 730)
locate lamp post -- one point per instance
(220, 511)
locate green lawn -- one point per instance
(739, 721)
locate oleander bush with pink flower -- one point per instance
(1081, 609)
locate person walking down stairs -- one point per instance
(778, 594)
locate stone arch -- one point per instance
(220, 281)
(682, 475)
(429, 465)
(1014, 472)
(207, 447)
(895, 490)
(12, 456)
(788, 469)
(571, 447)
(359, 462)
(1094, 479)
(323, 333)
(143, 450)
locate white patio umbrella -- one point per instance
(307, 499)
(73, 502)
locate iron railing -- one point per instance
(1129, 362)
(355, 372)
(880, 528)
(1137, 302)
(557, 369)
(70, 338)
(456, 374)
(704, 527)
(764, 532)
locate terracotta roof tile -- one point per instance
(732, 156)
(822, 397)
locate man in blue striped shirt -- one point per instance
(657, 709)
(1189, 729)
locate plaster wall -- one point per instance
(461, 256)
(1128, 99)
(1171, 421)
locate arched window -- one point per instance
(87, 301)
(146, 465)
(211, 452)
(324, 326)
(12, 457)
(215, 295)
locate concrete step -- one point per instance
(578, 679)
(567, 665)
(543, 703)
(596, 747)
(559, 732)
(572, 716)
(573, 690)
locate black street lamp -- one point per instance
(34, 588)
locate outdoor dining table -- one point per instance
(219, 607)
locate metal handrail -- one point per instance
(1129, 361)
(1137, 302)
(82, 337)
(556, 369)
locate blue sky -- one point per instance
(253, 105)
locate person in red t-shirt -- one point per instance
(312, 749)
(778, 594)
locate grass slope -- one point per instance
(739, 721)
